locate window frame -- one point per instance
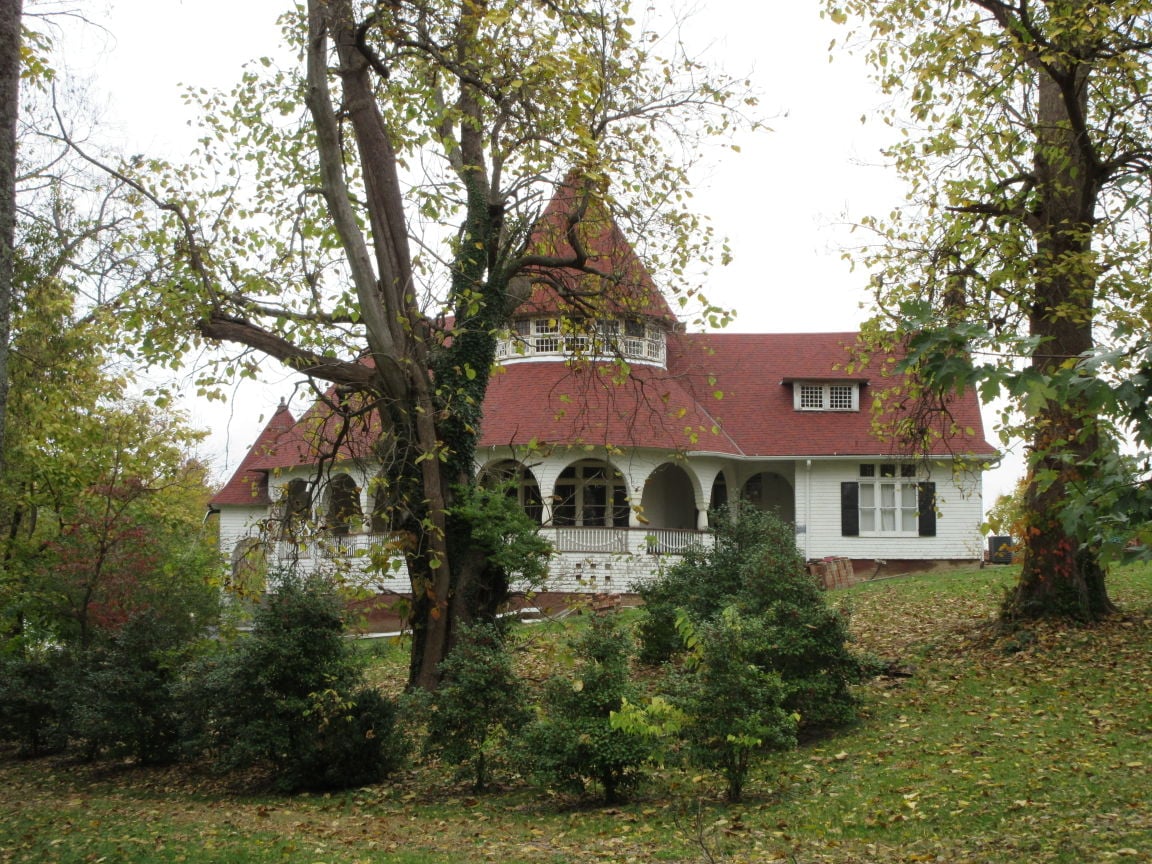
(803, 391)
(863, 502)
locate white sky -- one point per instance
(783, 201)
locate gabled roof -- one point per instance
(755, 372)
(249, 484)
(625, 289)
(728, 394)
(724, 394)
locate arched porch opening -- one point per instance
(519, 483)
(343, 514)
(591, 494)
(719, 495)
(296, 507)
(769, 491)
(669, 500)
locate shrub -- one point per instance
(573, 738)
(755, 568)
(290, 698)
(734, 707)
(32, 711)
(479, 704)
(122, 696)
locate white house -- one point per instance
(622, 431)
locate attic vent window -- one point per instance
(827, 397)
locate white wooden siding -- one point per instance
(958, 501)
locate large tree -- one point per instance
(1020, 262)
(10, 66)
(420, 116)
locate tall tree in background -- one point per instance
(1021, 263)
(10, 65)
(296, 240)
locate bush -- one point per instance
(32, 710)
(290, 698)
(573, 739)
(479, 704)
(733, 706)
(122, 696)
(756, 569)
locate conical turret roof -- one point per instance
(613, 282)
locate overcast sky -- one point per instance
(784, 200)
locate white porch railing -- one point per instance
(332, 547)
(565, 539)
(626, 541)
(674, 541)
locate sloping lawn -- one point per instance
(1034, 745)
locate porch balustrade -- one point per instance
(565, 539)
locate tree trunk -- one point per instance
(1061, 577)
(10, 16)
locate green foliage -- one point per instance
(734, 705)
(490, 528)
(124, 696)
(33, 709)
(291, 698)
(1019, 265)
(479, 705)
(573, 739)
(962, 762)
(755, 569)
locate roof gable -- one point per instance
(248, 485)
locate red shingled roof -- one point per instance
(625, 290)
(728, 394)
(249, 484)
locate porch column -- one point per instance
(365, 507)
(702, 519)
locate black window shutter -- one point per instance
(926, 504)
(850, 509)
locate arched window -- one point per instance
(591, 494)
(669, 501)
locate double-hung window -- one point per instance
(887, 498)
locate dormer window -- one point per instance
(814, 396)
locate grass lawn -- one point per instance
(1031, 746)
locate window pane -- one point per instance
(867, 495)
(887, 495)
(888, 469)
(564, 509)
(887, 520)
(840, 397)
(910, 519)
(868, 470)
(811, 396)
(907, 470)
(595, 499)
(620, 507)
(867, 520)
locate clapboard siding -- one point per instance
(818, 502)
